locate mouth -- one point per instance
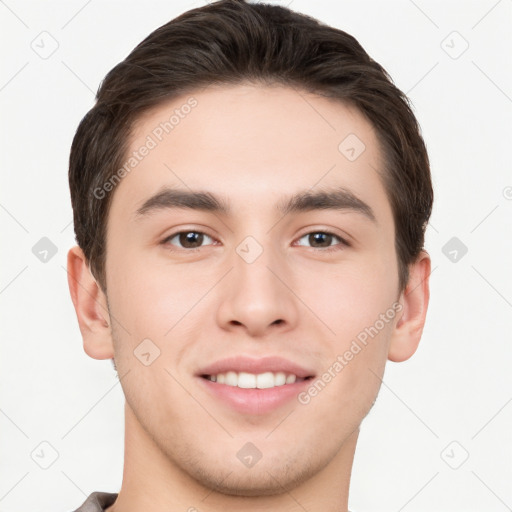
(254, 386)
(245, 380)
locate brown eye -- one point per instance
(323, 240)
(187, 239)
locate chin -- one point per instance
(263, 479)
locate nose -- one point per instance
(257, 297)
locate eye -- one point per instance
(191, 240)
(324, 239)
(187, 239)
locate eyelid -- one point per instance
(172, 235)
(344, 237)
(198, 228)
(342, 240)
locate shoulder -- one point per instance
(97, 502)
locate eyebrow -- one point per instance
(339, 199)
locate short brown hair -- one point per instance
(230, 42)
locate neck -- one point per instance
(152, 481)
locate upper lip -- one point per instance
(256, 366)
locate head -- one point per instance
(249, 104)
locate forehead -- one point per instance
(249, 142)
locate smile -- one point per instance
(246, 380)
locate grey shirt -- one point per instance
(97, 502)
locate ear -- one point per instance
(90, 305)
(414, 298)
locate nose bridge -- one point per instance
(256, 297)
(252, 263)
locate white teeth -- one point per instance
(246, 380)
(251, 381)
(269, 380)
(280, 379)
(231, 379)
(290, 379)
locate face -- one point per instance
(242, 284)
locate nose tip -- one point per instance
(255, 298)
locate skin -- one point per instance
(254, 145)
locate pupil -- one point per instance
(190, 237)
(317, 238)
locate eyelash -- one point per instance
(334, 248)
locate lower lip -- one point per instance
(255, 401)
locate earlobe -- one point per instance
(414, 298)
(90, 305)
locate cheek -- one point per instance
(358, 305)
(350, 297)
(150, 298)
(346, 390)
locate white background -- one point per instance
(458, 385)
